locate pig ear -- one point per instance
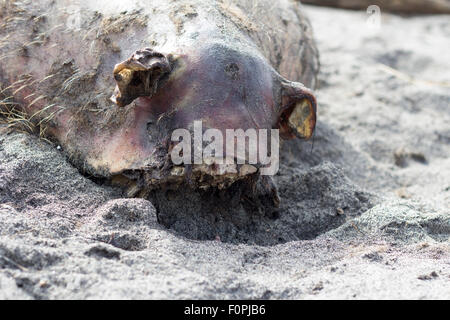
(139, 76)
(297, 114)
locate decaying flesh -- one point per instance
(165, 64)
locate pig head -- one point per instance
(221, 86)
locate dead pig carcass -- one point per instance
(166, 64)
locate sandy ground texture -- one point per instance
(365, 209)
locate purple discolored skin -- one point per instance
(171, 63)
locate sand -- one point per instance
(365, 205)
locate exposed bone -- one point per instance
(177, 171)
(247, 169)
(214, 172)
